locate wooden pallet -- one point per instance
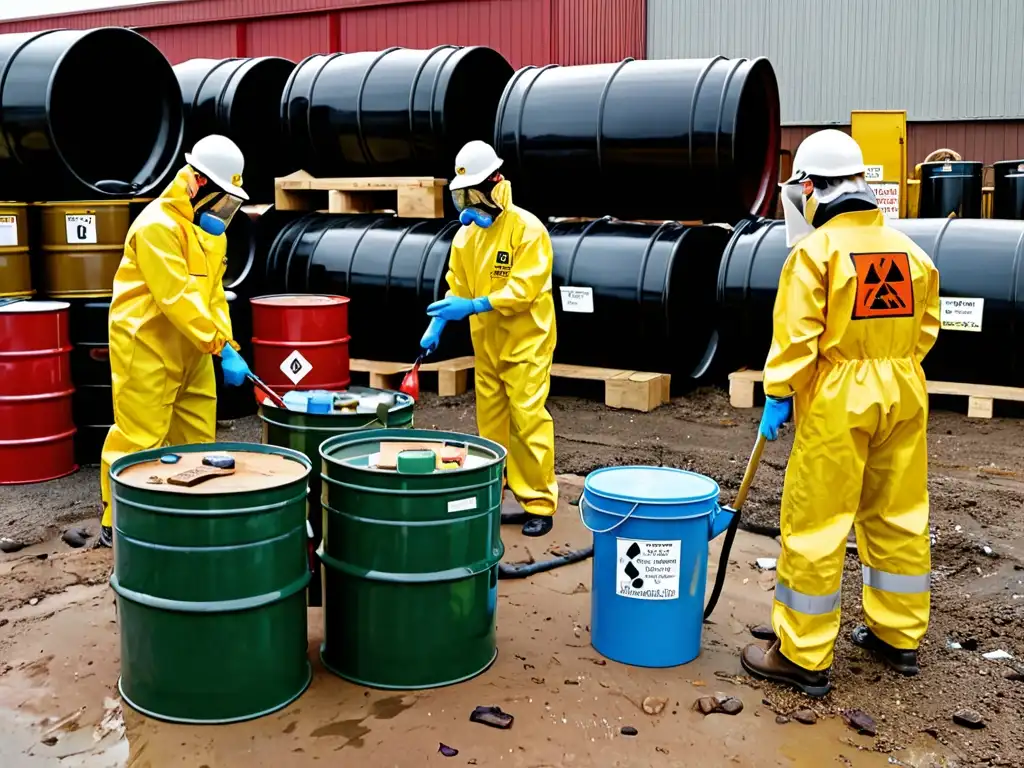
(409, 196)
(980, 397)
(452, 375)
(631, 390)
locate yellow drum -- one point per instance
(15, 268)
(82, 245)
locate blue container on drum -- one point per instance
(651, 529)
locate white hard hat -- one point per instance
(830, 154)
(220, 160)
(475, 162)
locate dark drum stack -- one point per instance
(37, 430)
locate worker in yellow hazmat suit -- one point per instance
(856, 312)
(169, 314)
(499, 276)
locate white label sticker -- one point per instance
(647, 570)
(462, 505)
(296, 367)
(81, 228)
(873, 173)
(8, 230)
(961, 314)
(577, 299)
(888, 197)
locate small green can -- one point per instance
(410, 561)
(211, 583)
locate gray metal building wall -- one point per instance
(937, 59)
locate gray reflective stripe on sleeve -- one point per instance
(813, 605)
(897, 583)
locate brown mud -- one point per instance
(59, 647)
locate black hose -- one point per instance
(522, 570)
(723, 562)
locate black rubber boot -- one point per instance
(538, 525)
(106, 538)
(904, 662)
(771, 665)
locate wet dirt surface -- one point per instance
(59, 654)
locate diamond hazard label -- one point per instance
(884, 286)
(296, 367)
(647, 570)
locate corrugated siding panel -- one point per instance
(937, 59)
(599, 31)
(984, 141)
(293, 37)
(212, 41)
(525, 31)
(509, 26)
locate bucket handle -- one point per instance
(605, 512)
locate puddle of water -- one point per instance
(28, 742)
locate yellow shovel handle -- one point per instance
(748, 476)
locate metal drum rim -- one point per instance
(377, 435)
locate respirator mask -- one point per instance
(475, 205)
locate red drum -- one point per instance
(300, 342)
(37, 429)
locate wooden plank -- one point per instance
(409, 196)
(452, 375)
(980, 397)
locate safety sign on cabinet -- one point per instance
(887, 195)
(80, 228)
(647, 570)
(961, 314)
(296, 367)
(577, 299)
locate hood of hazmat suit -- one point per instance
(856, 312)
(168, 315)
(510, 263)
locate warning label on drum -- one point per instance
(648, 570)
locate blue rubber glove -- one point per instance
(432, 336)
(776, 413)
(234, 367)
(455, 308)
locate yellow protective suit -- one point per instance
(857, 310)
(510, 263)
(168, 315)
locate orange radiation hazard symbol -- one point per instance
(884, 286)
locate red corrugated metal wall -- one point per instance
(524, 31)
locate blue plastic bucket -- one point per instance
(651, 529)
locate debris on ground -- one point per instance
(76, 537)
(653, 705)
(492, 716)
(999, 655)
(628, 730)
(781, 719)
(766, 563)
(720, 702)
(806, 716)
(968, 718)
(447, 751)
(860, 721)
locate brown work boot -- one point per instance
(904, 662)
(772, 665)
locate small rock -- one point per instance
(998, 655)
(860, 721)
(781, 719)
(766, 563)
(4, 622)
(571, 682)
(50, 741)
(969, 719)
(653, 705)
(10, 545)
(628, 730)
(728, 705)
(806, 716)
(731, 706)
(34, 601)
(75, 537)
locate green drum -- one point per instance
(211, 583)
(410, 560)
(305, 432)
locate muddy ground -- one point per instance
(60, 652)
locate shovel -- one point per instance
(266, 390)
(411, 382)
